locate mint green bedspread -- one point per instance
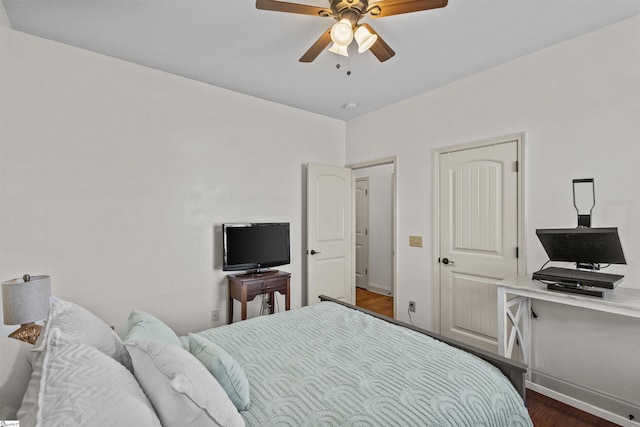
(327, 365)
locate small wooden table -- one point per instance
(245, 287)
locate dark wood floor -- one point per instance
(544, 411)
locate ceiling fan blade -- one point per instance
(380, 48)
(317, 47)
(281, 6)
(396, 7)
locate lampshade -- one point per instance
(25, 301)
(342, 32)
(339, 49)
(364, 38)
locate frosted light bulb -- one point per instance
(365, 39)
(339, 49)
(342, 33)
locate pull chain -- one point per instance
(348, 66)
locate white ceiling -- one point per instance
(228, 43)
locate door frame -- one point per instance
(394, 206)
(435, 226)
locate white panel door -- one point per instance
(478, 238)
(330, 224)
(362, 233)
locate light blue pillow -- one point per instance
(185, 342)
(144, 326)
(226, 370)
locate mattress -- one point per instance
(326, 364)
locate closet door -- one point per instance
(478, 238)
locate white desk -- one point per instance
(514, 308)
(514, 323)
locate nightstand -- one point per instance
(245, 287)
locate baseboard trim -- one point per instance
(598, 411)
(379, 289)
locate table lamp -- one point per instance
(24, 301)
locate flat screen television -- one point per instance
(255, 246)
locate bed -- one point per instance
(323, 365)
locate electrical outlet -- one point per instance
(214, 315)
(412, 306)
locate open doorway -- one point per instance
(375, 235)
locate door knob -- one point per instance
(313, 252)
(446, 261)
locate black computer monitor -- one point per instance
(583, 245)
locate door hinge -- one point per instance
(366, 271)
(517, 252)
(366, 231)
(517, 166)
(366, 192)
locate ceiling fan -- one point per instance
(348, 13)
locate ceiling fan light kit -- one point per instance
(348, 13)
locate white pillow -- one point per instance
(84, 327)
(15, 371)
(181, 389)
(77, 385)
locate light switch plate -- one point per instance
(415, 241)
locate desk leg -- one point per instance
(243, 309)
(518, 320)
(287, 297)
(525, 336)
(518, 333)
(272, 302)
(502, 321)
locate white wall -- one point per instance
(113, 178)
(579, 105)
(5, 35)
(4, 19)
